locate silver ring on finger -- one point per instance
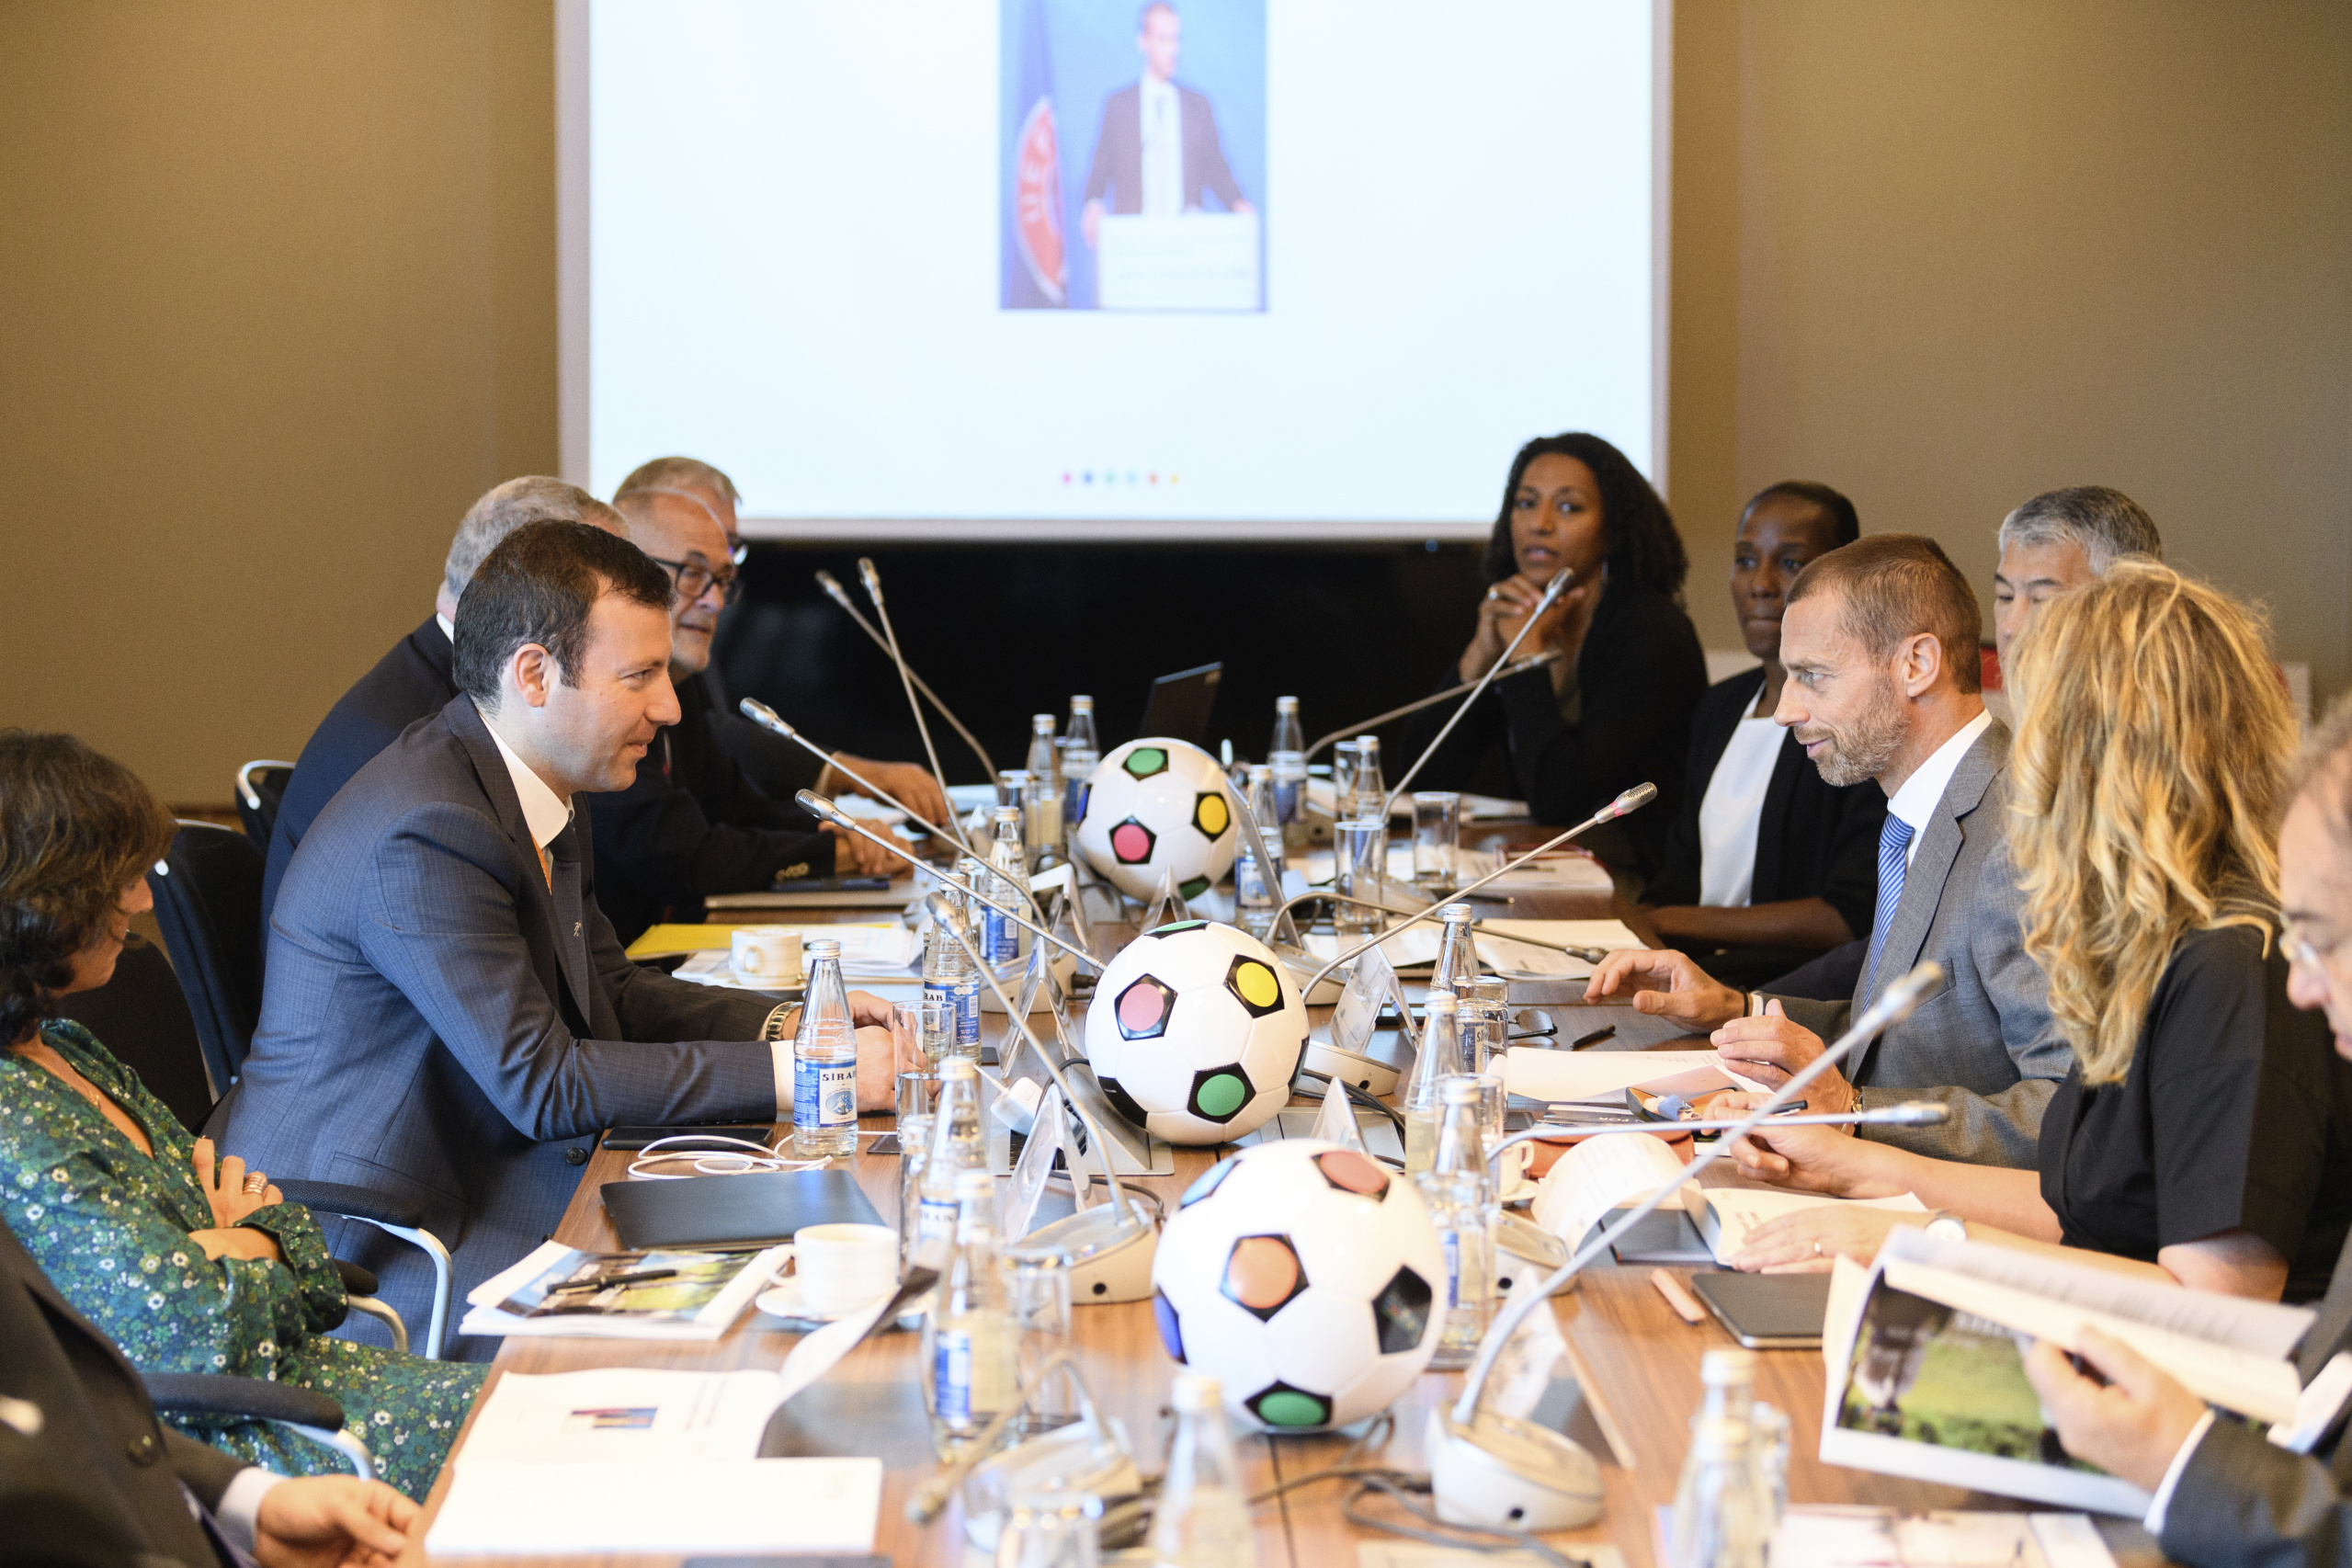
(1493, 593)
(255, 1183)
(1817, 1252)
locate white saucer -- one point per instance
(782, 1300)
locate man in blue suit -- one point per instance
(448, 1016)
(413, 681)
(1158, 152)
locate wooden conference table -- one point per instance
(1636, 1360)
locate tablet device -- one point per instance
(755, 1209)
(634, 1138)
(1179, 704)
(1767, 1312)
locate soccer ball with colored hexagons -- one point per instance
(1306, 1279)
(1154, 807)
(1195, 1032)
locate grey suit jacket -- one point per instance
(439, 1024)
(1984, 1043)
(2242, 1500)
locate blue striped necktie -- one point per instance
(1895, 837)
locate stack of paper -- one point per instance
(1727, 1216)
(879, 951)
(1603, 1075)
(700, 1298)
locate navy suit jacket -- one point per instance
(440, 1024)
(1118, 152)
(412, 682)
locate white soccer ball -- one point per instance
(1306, 1279)
(1195, 1032)
(1154, 807)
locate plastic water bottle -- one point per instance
(913, 1158)
(1285, 755)
(1728, 1377)
(1440, 1059)
(969, 1338)
(1719, 1519)
(1257, 892)
(949, 976)
(1080, 752)
(1001, 939)
(1460, 1200)
(825, 1060)
(1041, 796)
(959, 1144)
(1202, 1519)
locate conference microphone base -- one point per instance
(1503, 1474)
(1375, 1078)
(1108, 1262)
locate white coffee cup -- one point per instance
(844, 1267)
(771, 954)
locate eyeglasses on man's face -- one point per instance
(695, 577)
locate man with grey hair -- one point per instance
(2061, 539)
(413, 681)
(777, 767)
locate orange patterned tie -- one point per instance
(546, 866)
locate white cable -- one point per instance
(747, 1158)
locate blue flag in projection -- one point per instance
(1036, 273)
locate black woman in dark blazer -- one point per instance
(1615, 708)
(1767, 865)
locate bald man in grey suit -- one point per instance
(448, 1015)
(1880, 645)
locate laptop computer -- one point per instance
(1179, 705)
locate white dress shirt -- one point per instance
(1915, 801)
(449, 627)
(1162, 111)
(1731, 812)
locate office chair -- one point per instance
(211, 1394)
(208, 902)
(261, 785)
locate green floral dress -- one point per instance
(110, 1225)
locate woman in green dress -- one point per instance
(190, 1263)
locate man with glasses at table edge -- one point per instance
(692, 824)
(2224, 1496)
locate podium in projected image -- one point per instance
(1194, 261)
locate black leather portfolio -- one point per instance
(733, 1210)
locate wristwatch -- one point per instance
(781, 1022)
(1946, 1226)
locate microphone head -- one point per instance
(1562, 581)
(831, 585)
(871, 578)
(817, 806)
(1633, 800)
(1897, 1001)
(1917, 1113)
(760, 714)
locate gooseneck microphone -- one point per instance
(1487, 1468)
(1632, 799)
(818, 806)
(1532, 662)
(1910, 1113)
(840, 595)
(766, 718)
(1552, 592)
(873, 581)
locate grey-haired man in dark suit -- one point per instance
(2224, 1495)
(1880, 645)
(448, 1016)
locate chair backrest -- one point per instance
(207, 901)
(261, 785)
(142, 1016)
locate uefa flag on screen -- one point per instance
(1036, 271)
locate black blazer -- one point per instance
(692, 824)
(101, 1479)
(412, 682)
(1118, 152)
(1815, 840)
(1639, 678)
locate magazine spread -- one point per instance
(671, 1294)
(1925, 1352)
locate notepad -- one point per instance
(606, 1507)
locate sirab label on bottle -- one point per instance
(972, 1372)
(935, 1217)
(1452, 1244)
(824, 1094)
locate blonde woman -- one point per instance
(2205, 1134)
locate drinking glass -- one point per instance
(1360, 852)
(1437, 830)
(1051, 1529)
(918, 1094)
(933, 1024)
(1037, 1290)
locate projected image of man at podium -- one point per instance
(1158, 149)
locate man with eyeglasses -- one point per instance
(2224, 1496)
(693, 824)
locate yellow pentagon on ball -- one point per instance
(1257, 984)
(1210, 815)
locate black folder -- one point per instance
(760, 1210)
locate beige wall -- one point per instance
(280, 300)
(1944, 255)
(279, 294)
